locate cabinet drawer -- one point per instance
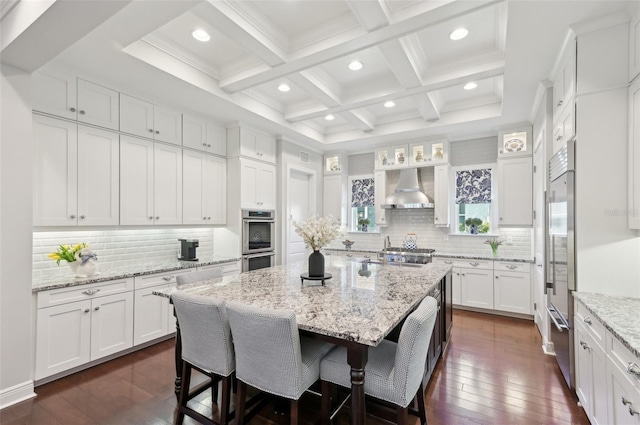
(83, 292)
(465, 263)
(155, 279)
(227, 268)
(591, 324)
(509, 266)
(623, 359)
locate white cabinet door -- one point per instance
(151, 318)
(193, 191)
(599, 409)
(623, 400)
(441, 216)
(249, 175)
(167, 184)
(591, 373)
(512, 292)
(217, 140)
(56, 94)
(55, 172)
(476, 288)
(136, 181)
(97, 105)
(136, 116)
(584, 369)
(63, 336)
(167, 125)
(267, 187)
(379, 195)
(98, 177)
(456, 287)
(515, 190)
(111, 324)
(194, 132)
(634, 155)
(332, 197)
(257, 145)
(215, 190)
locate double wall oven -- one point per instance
(258, 239)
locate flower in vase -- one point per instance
(318, 231)
(494, 243)
(67, 252)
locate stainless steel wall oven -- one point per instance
(258, 239)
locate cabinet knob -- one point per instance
(633, 369)
(151, 130)
(587, 320)
(82, 112)
(167, 278)
(497, 277)
(448, 262)
(475, 264)
(97, 308)
(512, 267)
(204, 144)
(435, 218)
(72, 216)
(82, 217)
(157, 217)
(501, 151)
(157, 131)
(150, 217)
(72, 109)
(463, 274)
(560, 103)
(500, 218)
(86, 310)
(204, 218)
(558, 138)
(208, 146)
(208, 218)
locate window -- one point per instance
(474, 201)
(362, 201)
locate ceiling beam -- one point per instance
(359, 120)
(397, 29)
(430, 83)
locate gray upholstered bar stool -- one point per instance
(394, 371)
(196, 276)
(272, 356)
(206, 347)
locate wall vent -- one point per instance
(304, 157)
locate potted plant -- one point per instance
(363, 223)
(473, 224)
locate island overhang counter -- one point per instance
(357, 308)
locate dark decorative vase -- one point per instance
(473, 229)
(316, 264)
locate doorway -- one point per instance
(301, 195)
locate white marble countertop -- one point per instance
(620, 315)
(360, 303)
(65, 278)
(482, 257)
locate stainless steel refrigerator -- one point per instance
(560, 253)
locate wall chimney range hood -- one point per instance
(407, 194)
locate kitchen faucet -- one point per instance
(387, 244)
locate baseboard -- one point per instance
(16, 394)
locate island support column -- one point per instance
(357, 356)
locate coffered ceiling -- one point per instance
(411, 84)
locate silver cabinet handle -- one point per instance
(72, 216)
(584, 345)
(91, 291)
(448, 262)
(633, 369)
(82, 217)
(625, 401)
(97, 308)
(512, 267)
(86, 310)
(167, 278)
(560, 103)
(82, 112)
(587, 320)
(72, 109)
(558, 138)
(632, 412)
(475, 264)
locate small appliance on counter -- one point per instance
(188, 249)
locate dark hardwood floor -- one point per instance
(494, 372)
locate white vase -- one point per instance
(73, 266)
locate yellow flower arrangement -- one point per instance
(67, 252)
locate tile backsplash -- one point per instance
(420, 222)
(119, 247)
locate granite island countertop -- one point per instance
(361, 302)
(64, 278)
(618, 314)
(442, 255)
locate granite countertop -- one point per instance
(360, 303)
(618, 314)
(347, 251)
(64, 278)
(482, 257)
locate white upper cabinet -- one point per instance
(564, 80)
(515, 142)
(379, 195)
(76, 178)
(70, 97)
(258, 185)
(441, 216)
(145, 119)
(333, 200)
(204, 189)
(392, 157)
(428, 153)
(203, 135)
(515, 190)
(244, 141)
(151, 182)
(634, 155)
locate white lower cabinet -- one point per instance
(80, 324)
(512, 288)
(623, 383)
(151, 319)
(476, 288)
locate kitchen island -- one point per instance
(359, 306)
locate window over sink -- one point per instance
(474, 200)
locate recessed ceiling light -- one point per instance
(458, 34)
(389, 104)
(470, 86)
(284, 87)
(329, 117)
(201, 35)
(355, 66)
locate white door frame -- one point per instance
(313, 188)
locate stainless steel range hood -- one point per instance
(408, 193)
